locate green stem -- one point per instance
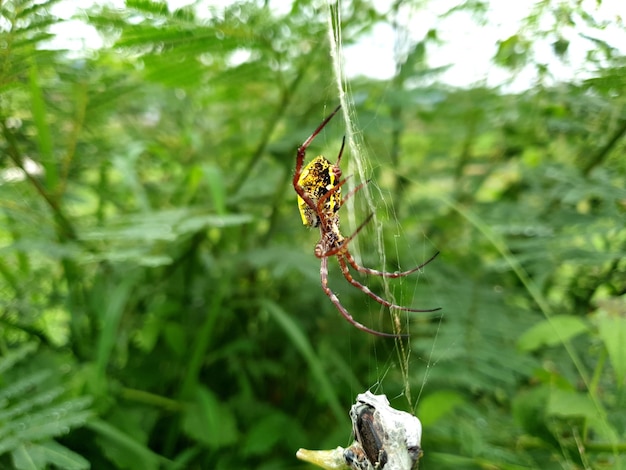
(151, 399)
(66, 230)
(202, 342)
(601, 154)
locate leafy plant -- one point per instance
(34, 410)
(160, 299)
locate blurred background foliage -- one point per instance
(160, 304)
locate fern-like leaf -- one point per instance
(33, 411)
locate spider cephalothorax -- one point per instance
(318, 185)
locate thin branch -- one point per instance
(601, 155)
(66, 229)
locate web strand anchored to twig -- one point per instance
(358, 164)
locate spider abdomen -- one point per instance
(318, 177)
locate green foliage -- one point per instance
(160, 301)
(34, 409)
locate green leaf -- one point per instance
(29, 401)
(164, 225)
(53, 453)
(434, 406)
(121, 442)
(14, 356)
(528, 409)
(175, 338)
(110, 319)
(612, 332)
(55, 421)
(209, 421)
(265, 433)
(568, 403)
(148, 6)
(571, 404)
(27, 458)
(513, 52)
(560, 47)
(215, 180)
(551, 332)
(33, 410)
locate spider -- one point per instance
(318, 186)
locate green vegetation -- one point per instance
(160, 304)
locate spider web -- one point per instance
(358, 166)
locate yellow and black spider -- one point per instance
(318, 185)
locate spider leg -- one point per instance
(353, 191)
(341, 257)
(375, 272)
(308, 141)
(335, 300)
(343, 144)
